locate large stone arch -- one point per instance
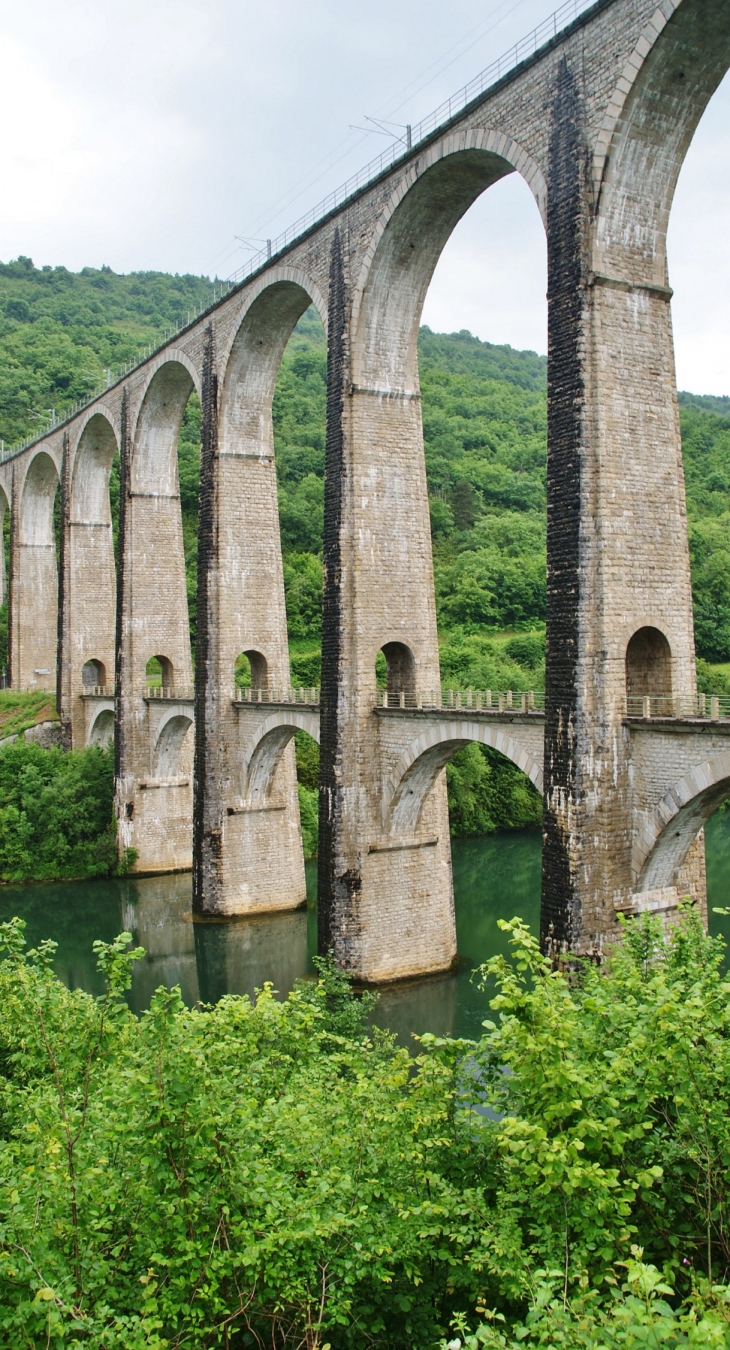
(251, 364)
(4, 506)
(667, 82)
(89, 573)
(96, 447)
(154, 455)
(38, 493)
(264, 753)
(35, 578)
(665, 839)
(250, 585)
(419, 766)
(436, 190)
(154, 589)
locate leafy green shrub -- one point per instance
(527, 650)
(191, 1176)
(274, 1173)
(55, 813)
(20, 710)
(303, 592)
(473, 660)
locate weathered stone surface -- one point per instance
(598, 123)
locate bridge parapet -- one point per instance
(310, 697)
(478, 700)
(700, 707)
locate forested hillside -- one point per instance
(484, 419)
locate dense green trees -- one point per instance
(484, 419)
(55, 813)
(279, 1174)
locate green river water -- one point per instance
(495, 877)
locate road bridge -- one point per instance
(597, 119)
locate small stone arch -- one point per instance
(648, 664)
(93, 674)
(664, 841)
(169, 744)
(258, 666)
(265, 752)
(400, 667)
(420, 765)
(167, 670)
(102, 729)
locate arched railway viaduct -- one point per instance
(597, 122)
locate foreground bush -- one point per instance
(55, 813)
(274, 1174)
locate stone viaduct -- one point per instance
(597, 122)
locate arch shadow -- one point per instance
(102, 730)
(169, 744)
(420, 765)
(264, 752)
(664, 841)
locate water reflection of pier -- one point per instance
(208, 959)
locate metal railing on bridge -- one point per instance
(175, 693)
(474, 700)
(709, 707)
(274, 695)
(415, 135)
(647, 707)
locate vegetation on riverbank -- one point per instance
(484, 420)
(56, 818)
(20, 711)
(283, 1174)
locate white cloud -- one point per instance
(148, 133)
(491, 277)
(699, 255)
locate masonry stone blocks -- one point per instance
(598, 123)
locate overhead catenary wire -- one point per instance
(527, 46)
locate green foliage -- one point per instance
(243, 1175)
(614, 1128)
(497, 580)
(19, 710)
(60, 331)
(55, 813)
(473, 660)
(307, 753)
(303, 590)
(706, 453)
(309, 817)
(488, 792)
(277, 1173)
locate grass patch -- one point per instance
(19, 711)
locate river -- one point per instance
(495, 877)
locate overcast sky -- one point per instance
(151, 133)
